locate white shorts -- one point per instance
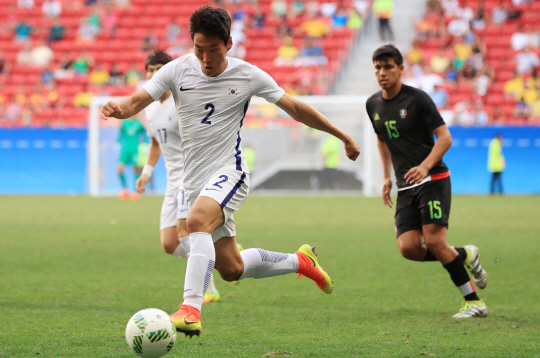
(230, 188)
(174, 208)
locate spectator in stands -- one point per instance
(522, 109)
(447, 115)
(530, 94)
(99, 75)
(42, 54)
(82, 64)
(513, 12)
(519, 39)
(115, 77)
(36, 100)
(149, 41)
(451, 73)
(458, 27)
(433, 7)
(5, 67)
(384, 9)
(467, 73)
(355, 20)
(24, 56)
(340, 17)
(121, 3)
(53, 96)
(47, 76)
(439, 96)
(279, 8)
(362, 7)
(283, 29)
(499, 14)
(25, 4)
(536, 110)
(479, 21)
(297, 8)
(179, 48)
(526, 60)
(534, 81)
(83, 98)
(20, 96)
(56, 32)
(133, 76)
(109, 21)
(315, 28)
(515, 86)
(286, 53)
(415, 54)
(23, 30)
(478, 55)
(479, 116)
(239, 12)
(65, 67)
(463, 116)
(312, 53)
(462, 50)
(450, 6)
(173, 30)
(87, 32)
(313, 8)
(257, 20)
(483, 80)
(238, 37)
(51, 8)
(95, 18)
(440, 62)
(328, 8)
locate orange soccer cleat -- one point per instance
(187, 320)
(309, 267)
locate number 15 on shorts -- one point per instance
(435, 211)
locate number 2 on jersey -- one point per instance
(224, 177)
(212, 108)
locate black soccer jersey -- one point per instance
(406, 123)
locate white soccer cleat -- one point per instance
(472, 264)
(471, 309)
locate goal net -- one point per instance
(285, 156)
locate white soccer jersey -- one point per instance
(163, 126)
(211, 111)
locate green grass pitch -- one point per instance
(73, 270)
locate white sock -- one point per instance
(182, 250)
(259, 263)
(199, 270)
(211, 287)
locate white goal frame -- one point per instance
(369, 171)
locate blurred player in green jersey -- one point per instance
(130, 136)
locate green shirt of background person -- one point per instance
(331, 150)
(130, 136)
(496, 162)
(383, 8)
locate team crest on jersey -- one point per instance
(233, 91)
(403, 113)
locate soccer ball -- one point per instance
(150, 333)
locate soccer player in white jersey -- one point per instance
(212, 94)
(162, 127)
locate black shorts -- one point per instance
(428, 203)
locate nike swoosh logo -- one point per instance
(311, 261)
(185, 89)
(188, 322)
(189, 289)
(210, 189)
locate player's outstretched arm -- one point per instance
(304, 113)
(386, 159)
(154, 152)
(127, 107)
(444, 142)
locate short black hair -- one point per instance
(211, 22)
(386, 52)
(157, 58)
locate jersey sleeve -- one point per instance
(265, 86)
(161, 82)
(370, 118)
(429, 112)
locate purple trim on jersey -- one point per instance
(238, 151)
(233, 191)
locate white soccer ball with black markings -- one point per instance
(150, 333)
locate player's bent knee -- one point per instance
(169, 247)
(231, 273)
(197, 223)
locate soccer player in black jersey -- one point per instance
(405, 120)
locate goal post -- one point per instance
(288, 156)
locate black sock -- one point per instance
(461, 279)
(429, 256)
(462, 253)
